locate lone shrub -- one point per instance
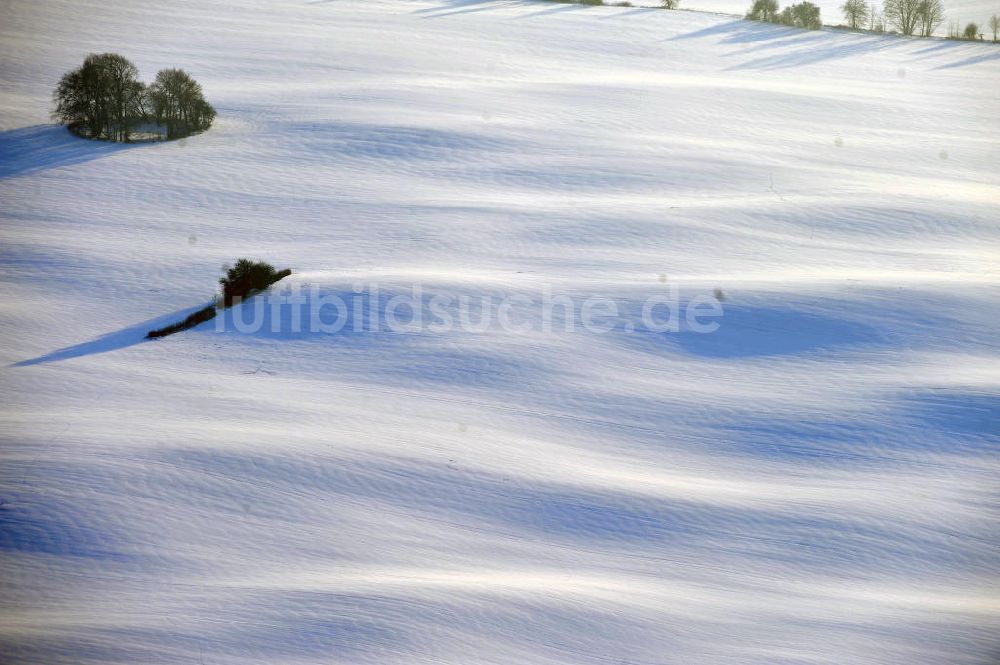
(763, 10)
(670, 4)
(248, 276)
(243, 279)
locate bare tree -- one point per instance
(876, 22)
(125, 95)
(856, 13)
(103, 98)
(995, 26)
(930, 15)
(75, 105)
(176, 100)
(903, 15)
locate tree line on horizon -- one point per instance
(910, 18)
(104, 99)
(905, 17)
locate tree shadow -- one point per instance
(795, 38)
(811, 52)
(630, 11)
(941, 46)
(739, 31)
(985, 57)
(951, 47)
(37, 148)
(451, 7)
(557, 8)
(113, 341)
(330, 316)
(805, 46)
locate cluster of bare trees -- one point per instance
(863, 16)
(800, 15)
(175, 99)
(908, 17)
(104, 98)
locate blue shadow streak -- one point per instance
(38, 148)
(119, 339)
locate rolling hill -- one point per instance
(813, 482)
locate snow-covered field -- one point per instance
(815, 482)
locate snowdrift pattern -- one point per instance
(815, 482)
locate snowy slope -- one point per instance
(815, 482)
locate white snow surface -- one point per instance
(815, 482)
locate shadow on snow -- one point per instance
(113, 341)
(38, 148)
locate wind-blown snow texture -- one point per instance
(816, 482)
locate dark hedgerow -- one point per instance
(202, 315)
(245, 278)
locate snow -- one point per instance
(815, 482)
